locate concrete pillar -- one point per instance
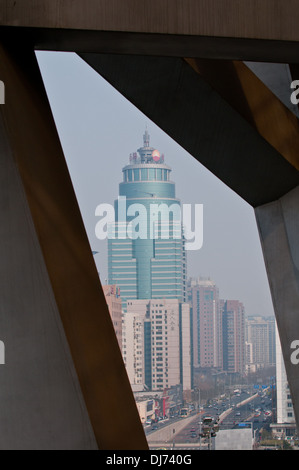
(63, 384)
(278, 224)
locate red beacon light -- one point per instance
(156, 155)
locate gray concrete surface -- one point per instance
(41, 405)
(278, 224)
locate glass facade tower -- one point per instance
(146, 254)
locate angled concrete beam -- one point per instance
(210, 18)
(188, 109)
(154, 44)
(64, 384)
(223, 29)
(253, 100)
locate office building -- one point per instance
(147, 260)
(146, 247)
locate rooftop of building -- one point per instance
(201, 281)
(146, 154)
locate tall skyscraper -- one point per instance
(147, 259)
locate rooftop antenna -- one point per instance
(146, 138)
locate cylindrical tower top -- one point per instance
(146, 174)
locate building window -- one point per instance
(136, 175)
(151, 174)
(144, 174)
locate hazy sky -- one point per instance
(99, 129)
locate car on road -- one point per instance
(208, 419)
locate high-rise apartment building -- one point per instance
(146, 257)
(203, 295)
(233, 328)
(134, 350)
(156, 345)
(260, 340)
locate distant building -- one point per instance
(147, 409)
(250, 367)
(203, 296)
(156, 343)
(160, 403)
(233, 322)
(114, 303)
(133, 343)
(260, 335)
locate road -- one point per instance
(242, 408)
(257, 411)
